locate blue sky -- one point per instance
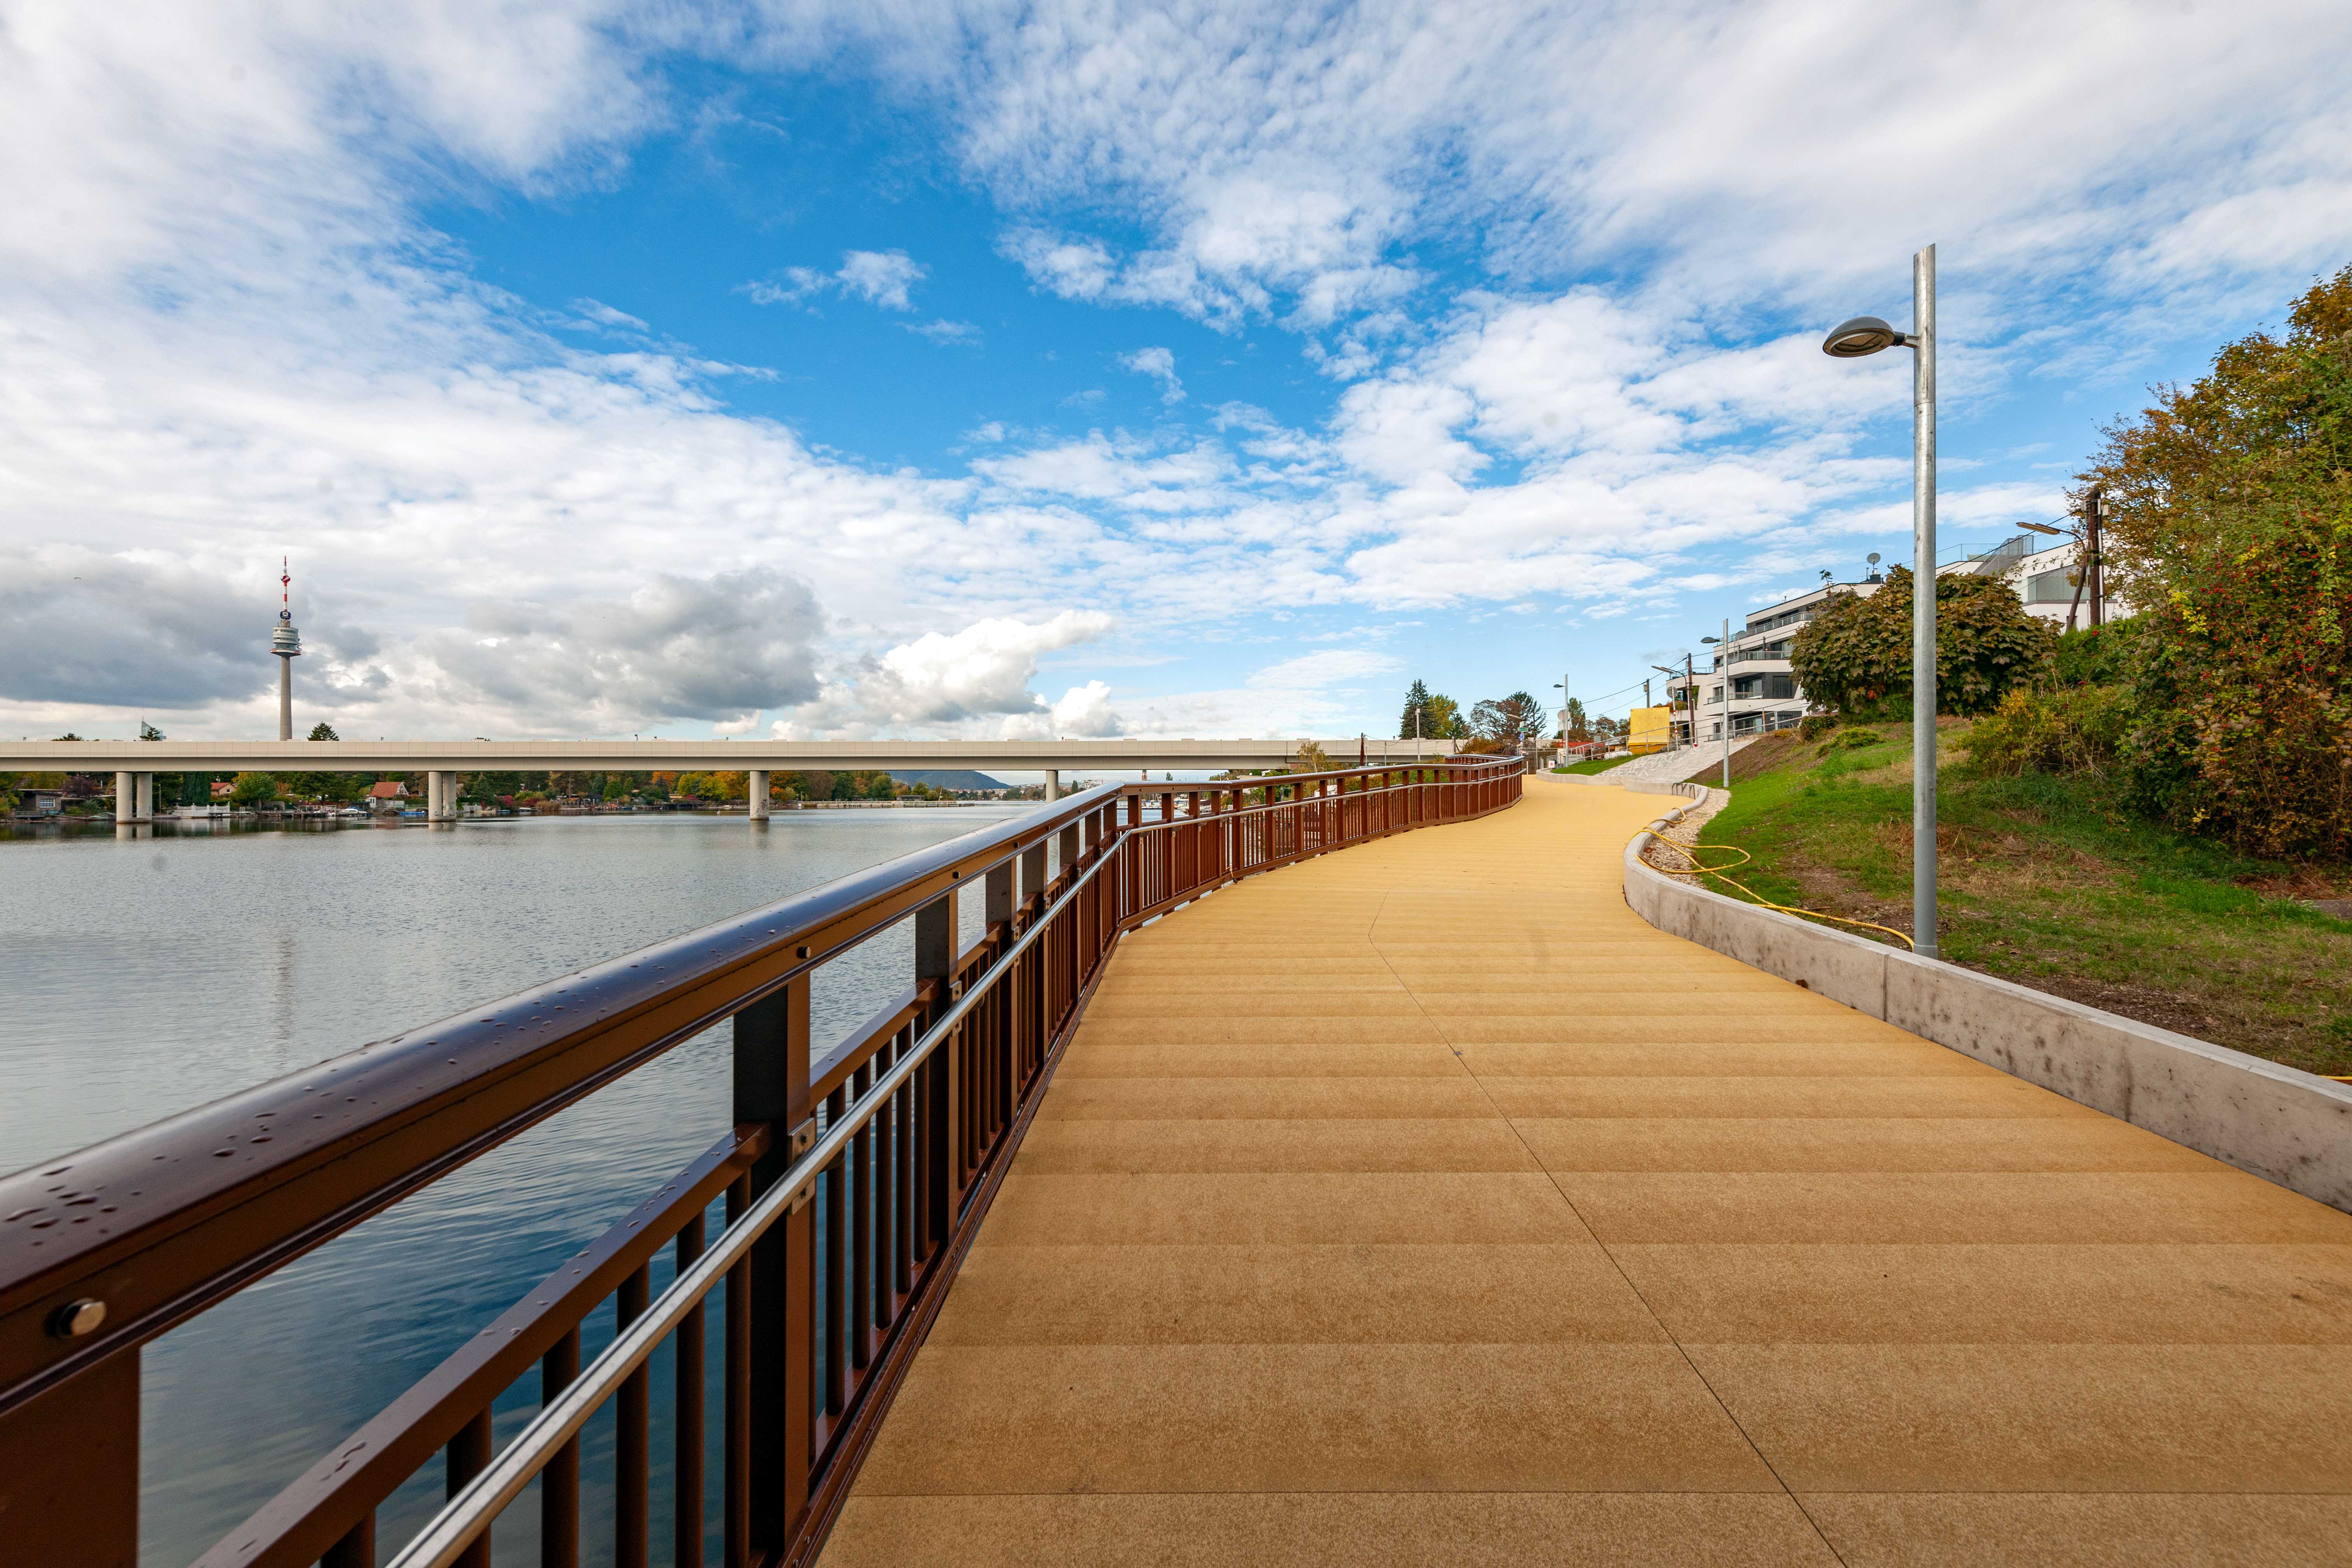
(922, 370)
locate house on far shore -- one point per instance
(386, 794)
(223, 789)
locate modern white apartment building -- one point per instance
(1763, 692)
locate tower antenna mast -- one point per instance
(287, 645)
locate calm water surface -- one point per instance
(143, 976)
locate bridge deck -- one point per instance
(1423, 1205)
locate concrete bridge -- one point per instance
(1419, 1204)
(134, 764)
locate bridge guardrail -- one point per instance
(899, 1138)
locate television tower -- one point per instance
(286, 644)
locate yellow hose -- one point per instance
(1718, 873)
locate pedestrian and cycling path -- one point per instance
(1420, 1203)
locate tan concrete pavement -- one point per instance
(1422, 1204)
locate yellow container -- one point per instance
(1651, 731)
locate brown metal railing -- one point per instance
(851, 1185)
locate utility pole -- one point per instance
(1727, 701)
(2094, 570)
(1690, 699)
(2084, 569)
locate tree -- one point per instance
(253, 789)
(1855, 656)
(1578, 729)
(1314, 759)
(322, 731)
(1516, 724)
(166, 787)
(2229, 520)
(1415, 723)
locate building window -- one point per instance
(2050, 588)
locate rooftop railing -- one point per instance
(851, 1187)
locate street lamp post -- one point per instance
(1867, 335)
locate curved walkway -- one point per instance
(1422, 1204)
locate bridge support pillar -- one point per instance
(440, 797)
(1053, 783)
(756, 796)
(134, 798)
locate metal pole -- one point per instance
(2095, 571)
(1923, 603)
(1726, 659)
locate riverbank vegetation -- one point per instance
(2153, 816)
(2057, 882)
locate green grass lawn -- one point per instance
(1598, 765)
(2052, 883)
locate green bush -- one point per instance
(1856, 654)
(1815, 725)
(2075, 729)
(2099, 656)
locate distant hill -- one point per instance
(949, 778)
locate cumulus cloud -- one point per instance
(720, 647)
(79, 627)
(981, 672)
(230, 332)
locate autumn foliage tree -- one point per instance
(2229, 507)
(1855, 656)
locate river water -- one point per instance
(143, 976)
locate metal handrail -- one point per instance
(252, 1150)
(471, 1512)
(202, 1203)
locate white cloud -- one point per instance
(881, 277)
(877, 277)
(1160, 365)
(1325, 666)
(226, 332)
(958, 334)
(982, 671)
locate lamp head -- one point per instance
(1863, 335)
(1709, 639)
(2040, 528)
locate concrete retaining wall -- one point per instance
(2284, 1125)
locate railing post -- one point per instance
(999, 911)
(771, 1084)
(1033, 866)
(935, 945)
(69, 1470)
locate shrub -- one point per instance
(2074, 730)
(2099, 656)
(1856, 654)
(2230, 517)
(1815, 725)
